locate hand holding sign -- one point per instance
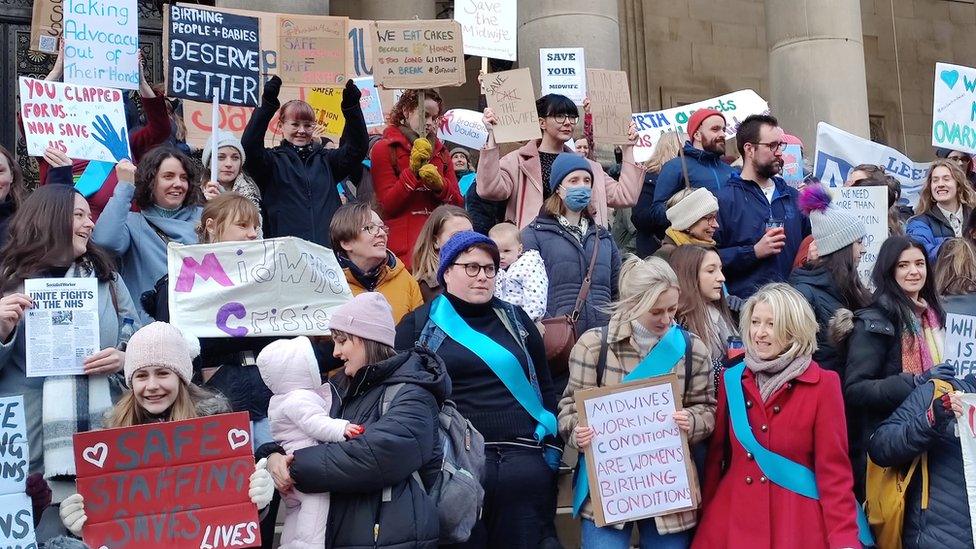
(105, 362)
(72, 511)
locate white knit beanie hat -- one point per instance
(161, 344)
(690, 209)
(832, 228)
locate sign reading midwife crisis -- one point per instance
(211, 49)
(171, 485)
(417, 54)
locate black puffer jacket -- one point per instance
(393, 447)
(907, 434)
(819, 289)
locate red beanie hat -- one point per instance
(698, 117)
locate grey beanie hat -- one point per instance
(832, 228)
(224, 139)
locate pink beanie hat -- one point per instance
(368, 315)
(164, 345)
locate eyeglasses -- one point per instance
(472, 269)
(374, 229)
(959, 159)
(562, 118)
(776, 146)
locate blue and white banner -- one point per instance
(954, 108)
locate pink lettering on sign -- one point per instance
(210, 268)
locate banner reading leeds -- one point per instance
(211, 49)
(274, 287)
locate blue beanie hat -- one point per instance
(565, 164)
(460, 243)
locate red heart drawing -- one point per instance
(237, 438)
(96, 454)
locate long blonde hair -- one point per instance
(426, 256)
(642, 281)
(667, 148)
(964, 194)
(127, 412)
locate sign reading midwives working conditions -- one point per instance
(735, 106)
(274, 287)
(870, 205)
(211, 49)
(418, 54)
(47, 25)
(563, 71)
(463, 127)
(838, 152)
(84, 122)
(638, 465)
(101, 42)
(488, 27)
(312, 50)
(960, 343)
(511, 96)
(169, 485)
(954, 111)
(16, 522)
(609, 96)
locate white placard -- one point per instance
(960, 343)
(563, 71)
(463, 127)
(954, 108)
(275, 287)
(62, 326)
(14, 452)
(16, 522)
(101, 43)
(488, 27)
(967, 436)
(870, 204)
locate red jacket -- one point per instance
(803, 421)
(405, 203)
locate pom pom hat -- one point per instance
(832, 228)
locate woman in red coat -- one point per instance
(794, 409)
(412, 175)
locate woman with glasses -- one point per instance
(497, 364)
(520, 177)
(944, 207)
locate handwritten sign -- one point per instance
(954, 111)
(638, 464)
(47, 25)
(792, 171)
(870, 204)
(609, 96)
(563, 71)
(171, 485)
(16, 515)
(326, 102)
(312, 50)
(488, 27)
(84, 122)
(418, 54)
(463, 127)
(511, 96)
(278, 286)
(211, 49)
(967, 438)
(101, 40)
(960, 343)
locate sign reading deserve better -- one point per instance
(411, 55)
(211, 49)
(275, 287)
(16, 522)
(638, 464)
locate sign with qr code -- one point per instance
(62, 325)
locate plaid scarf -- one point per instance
(921, 342)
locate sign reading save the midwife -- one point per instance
(954, 111)
(638, 464)
(170, 485)
(274, 287)
(16, 524)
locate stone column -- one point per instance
(385, 9)
(303, 7)
(816, 66)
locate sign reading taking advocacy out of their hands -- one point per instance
(417, 54)
(101, 43)
(954, 109)
(169, 485)
(16, 522)
(84, 122)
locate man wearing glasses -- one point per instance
(760, 226)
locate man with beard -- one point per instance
(703, 161)
(760, 225)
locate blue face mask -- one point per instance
(578, 198)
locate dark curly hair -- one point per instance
(408, 103)
(148, 169)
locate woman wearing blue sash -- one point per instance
(497, 364)
(777, 473)
(641, 341)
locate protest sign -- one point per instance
(278, 286)
(211, 49)
(196, 116)
(838, 152)
(47, 25)
(735, 106)
(62, 326)
(563, 71)
(326, 102)
(870, 204)
(954, 111)
(359, 51)
(488, 27)
(792, 165)
(418, 54)
(609, 96)
(16, 522)
(960, 343)
(312, 50)
(511, 95)
(638, 465)
(169, 485)
(464, 128)
(101, 42)
(966, 426)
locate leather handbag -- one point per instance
(560, 331)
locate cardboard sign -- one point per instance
(838, 152)
(638, 465)
(418, 54)
(609, 95)
(16, 514)
(210, 50)
(47, 25)
(870, 204)
(966, 426)
(278, 286)
(84, 122)
(960, 343)
(488, 27)
(464, 128)
(171, 485)
(563, 71)
(793, 165)
(359, 50)
(736, 106)
(101, 42)
(511, 95)
(326, 102)
(954, 109)
(312, 50)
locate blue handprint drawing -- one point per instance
(117, 143)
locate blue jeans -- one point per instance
(261, 432)
(608, 537)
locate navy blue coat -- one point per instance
(742, 214)
(705, 169)
(649, 234)
(932, 228)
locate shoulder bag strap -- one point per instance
(601, 361)
(688, 362)
(159, 232)
(587, 280)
